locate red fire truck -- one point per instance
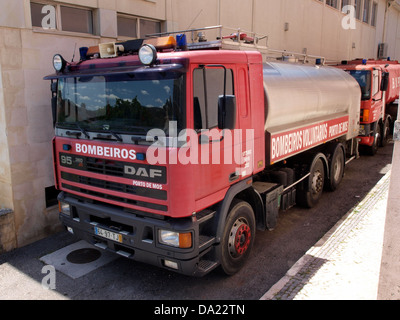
(174, 154)
(380, 85)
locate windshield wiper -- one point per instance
(116, 135)
(78, 134)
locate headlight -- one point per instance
(362, 131)
(148, 54)
(59, 63)
(64, 208)
(175, 239)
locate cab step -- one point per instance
(205, 215)
(206, 266)
(205, 242)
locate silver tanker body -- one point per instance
(300, 97)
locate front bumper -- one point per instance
(366, 135)
(139, 236)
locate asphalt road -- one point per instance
(273, 254)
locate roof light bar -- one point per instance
(162, 43)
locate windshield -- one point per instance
(121, 103)
(363, 78)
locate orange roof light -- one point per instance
(162, 43)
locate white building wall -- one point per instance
(313, 25)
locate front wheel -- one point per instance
(372, 150)
(385, 133)
(238, 237)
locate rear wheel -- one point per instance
(238, 237)
(314, 185)
(336, 168)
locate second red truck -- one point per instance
(379, 81)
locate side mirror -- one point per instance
(227, 112)
(54, 110)
(54, 102)
(385, 81)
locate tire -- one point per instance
(336, 170)
(385, 133)
(312, 191)
(238, 237)
(372, 150)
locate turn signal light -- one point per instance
(185, 240)
(366, 115)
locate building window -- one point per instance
(332, 3)
(374, 14)
(357, 6)
(134, 27)
(149, 27)
(127, 27)
(367, 10)
(344, 4)
(37, 15)
(76, 20)
(62, 18)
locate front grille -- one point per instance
(114, 186)
(134, 171)
(121, 200)
(142, 174)
(101, 166)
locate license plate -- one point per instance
(108, 234)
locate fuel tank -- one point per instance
(306, 106)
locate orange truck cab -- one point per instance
(379, 81)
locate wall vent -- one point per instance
(382, 51)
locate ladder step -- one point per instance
(207, 265)
(205, 241)
(205, 215)
(124, 254)
(100, 245)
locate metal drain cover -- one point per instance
(83, 256)
(79, 254)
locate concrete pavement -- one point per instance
(345, 264)
(359, 259)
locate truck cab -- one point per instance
(141, 149)
(375, 123)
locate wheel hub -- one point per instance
(240, 238)
(317, 182)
